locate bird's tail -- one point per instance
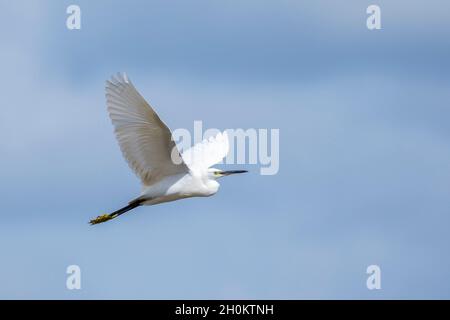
(115, 214)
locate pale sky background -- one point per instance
(364, 119)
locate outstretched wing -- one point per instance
(207, 153)
(146, 142)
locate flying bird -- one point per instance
(147, 145)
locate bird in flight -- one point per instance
(147, 145)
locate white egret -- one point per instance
(147, 145)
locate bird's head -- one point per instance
(214, 173)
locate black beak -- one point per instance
(230, 172)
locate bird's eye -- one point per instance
(216, 173)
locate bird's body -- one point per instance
(179, 186)
(147, 145)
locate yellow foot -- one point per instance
(100, 219)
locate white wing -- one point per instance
(207, 153)
(146, 142)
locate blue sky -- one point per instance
(364, 149)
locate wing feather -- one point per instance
(146, 142)
(207, 153)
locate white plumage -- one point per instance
(144, 139)
(147, 145)
(207, 153)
